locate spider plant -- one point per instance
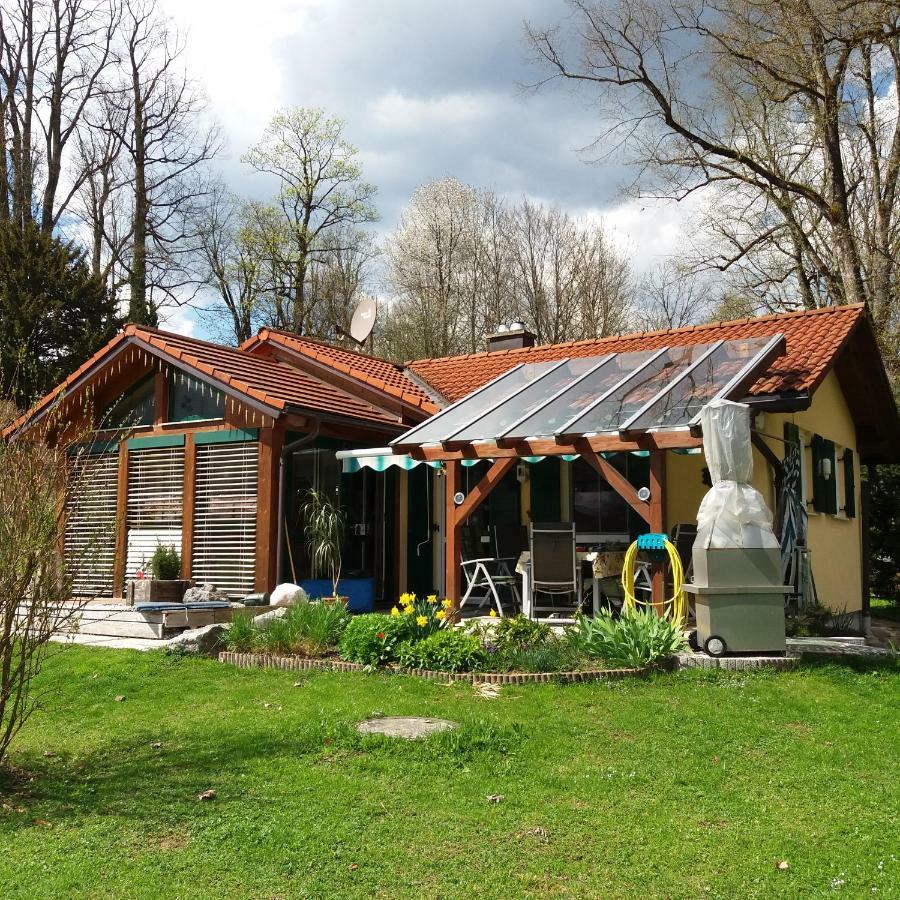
(324, 523)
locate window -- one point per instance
(191, 400)
(824, 475)
(134, 408)
(596, 508)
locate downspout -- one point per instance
(288, 448)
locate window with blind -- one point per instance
(155, 487)
(90, 532)
(224, 550)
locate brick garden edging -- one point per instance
(302, 664)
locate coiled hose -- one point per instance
(675, 607)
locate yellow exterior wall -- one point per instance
(835, 541)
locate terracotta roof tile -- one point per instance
(381, 374)
(813, 337)
(272, 383)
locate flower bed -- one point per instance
(304, 664)
(418, 637)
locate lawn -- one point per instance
(687, 785)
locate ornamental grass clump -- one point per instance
(639, 637)
(240, 634)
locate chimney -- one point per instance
(510, 337)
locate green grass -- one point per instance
(885, 609)
(684, 785)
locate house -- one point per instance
(223, 442)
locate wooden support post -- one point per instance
(187, 504)
(453, 537)
(121, 526)
(271, 441)
(160, 398)
(657, 521)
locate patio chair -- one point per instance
(485, 575)
(554, 569)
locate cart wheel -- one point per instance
(693, 640)
(715, 646)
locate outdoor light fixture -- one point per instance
(644, 494)
(825, 468)
(458, 497)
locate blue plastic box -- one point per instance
(361, 591)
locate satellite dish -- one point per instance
(363, 320)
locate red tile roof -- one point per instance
(814, 339)
(267, 381)
(378, 373)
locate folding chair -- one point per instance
(485, 575)
(554, 568)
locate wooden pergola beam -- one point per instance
(605, 443)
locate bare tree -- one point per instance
(672, 297)
(321, 192)
(54, 55)
(462, 261)
(786, 109)
(167, 142)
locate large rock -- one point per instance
(205, 641)
(287, 595)
(205, 593)
(277, 613)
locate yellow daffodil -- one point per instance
(421, 621)
(441, 615)
(408, 610)
(406, 599)
(493, 613)
(432, 599)
(395, 612)
(446, 603)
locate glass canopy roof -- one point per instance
(646, 390)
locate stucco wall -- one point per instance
(835, 541)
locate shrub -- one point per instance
(240, 634)
(637, 638)
(372, 639)
(316, 626)
(448, 650)
(519, 633)
(165, 564)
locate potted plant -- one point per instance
(165, 585)
(324, 525)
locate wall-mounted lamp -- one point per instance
(458, 497)
(825, 468)
(644, 494)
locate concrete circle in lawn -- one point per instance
(410, 728)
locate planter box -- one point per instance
(149, 590)
(360, 592)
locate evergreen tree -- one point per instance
(53, 313)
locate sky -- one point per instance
(427, 89)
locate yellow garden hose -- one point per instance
(675, 606)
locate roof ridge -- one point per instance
(637, 335)
(323, 342)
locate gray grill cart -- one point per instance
(738, 586)
(738, 600)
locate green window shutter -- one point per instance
(849, 485)
(831, 488)
(820, 488)
(791, 433)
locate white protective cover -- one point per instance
(733, 513)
